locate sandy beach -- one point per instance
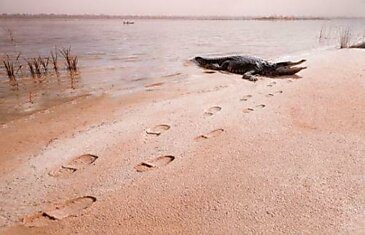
(210, 154)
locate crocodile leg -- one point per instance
(250, 75)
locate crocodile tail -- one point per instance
(201, 60)
(205, 61)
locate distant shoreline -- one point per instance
(135, 17)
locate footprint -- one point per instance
(74, 165)
(154, 163)
(63, 171)
(271, 84)
(249, 110)
(82, 161)
(158, 130)
(246, 97)
(261, 106)
(69, 208)
(211, 134)
(271, 94)
(213, 110)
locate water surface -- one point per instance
(114, 54)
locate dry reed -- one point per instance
(345, 37)
(54, 58)
(71, 61)
(44, 63)
(12, 68)
(37, 67)
(31, 68)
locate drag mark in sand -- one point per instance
(69, 208)
(171, 75)
(157, 84)
(74, 165)
(154, 163)
(158, 130)
(213, 110)
(211, 134)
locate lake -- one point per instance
(113, 54)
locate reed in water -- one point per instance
(12, 67)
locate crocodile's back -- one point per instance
(220, 60)
(250, 60)
(241, 66)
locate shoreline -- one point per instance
(114, 89)
(162, 17)
(225, 155)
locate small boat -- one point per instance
(128, 22)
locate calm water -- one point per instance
(113, 53)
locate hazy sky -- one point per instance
(189, 7)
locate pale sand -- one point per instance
(275, 156)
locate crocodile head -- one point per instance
(284, 69)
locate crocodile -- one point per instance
(249, 66)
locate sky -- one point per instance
(325, 8)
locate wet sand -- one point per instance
(212, 154)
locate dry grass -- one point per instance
(359, 45)
(345, 37)
(324, 33)
(321, 34)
